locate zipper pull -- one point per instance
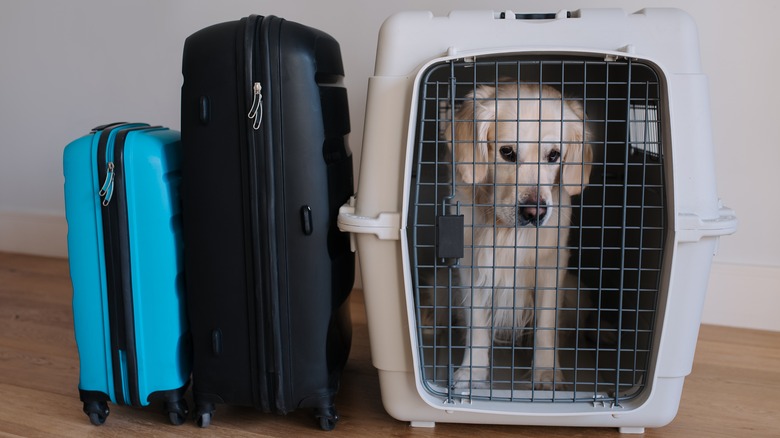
(256, 110)
(107, 191)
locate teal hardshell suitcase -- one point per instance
(124, 247)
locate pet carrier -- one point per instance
(536, 216)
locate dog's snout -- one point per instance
(532, 212)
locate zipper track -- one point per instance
(112, 271)
(126, 266)
(116, 238)
(247, 150)
(262, 272)
(268, 64)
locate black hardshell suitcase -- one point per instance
(265, 169)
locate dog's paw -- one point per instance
(547, 380)
(466, 377)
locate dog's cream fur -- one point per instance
(517, 219)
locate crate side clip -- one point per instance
(386, 225)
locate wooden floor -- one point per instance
(734, 390)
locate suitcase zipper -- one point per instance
(256, 110)
(123, 269)
(112, 264)
(122, 236)
(263, 355)
(107, 190)
(267, 358)
(117, 261)
(249, 179)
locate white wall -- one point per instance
(68, 66)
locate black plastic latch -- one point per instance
(216, 342)
(449, 237)
(204, 110)
(307, 225)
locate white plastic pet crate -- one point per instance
(642, 229)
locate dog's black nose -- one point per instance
(531, 212)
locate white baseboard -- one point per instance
(33, 233)
(746, 296)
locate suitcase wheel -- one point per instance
(204, 414)
(327, 423)
(177, 412)
(204, 420)
(176, 419)
(96, 419)
(327, 418)
(97, 411)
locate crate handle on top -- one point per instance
(504, 15)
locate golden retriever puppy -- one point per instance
(520, 153)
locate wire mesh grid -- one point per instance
(537, 228)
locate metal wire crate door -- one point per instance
(611, 262)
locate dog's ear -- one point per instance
(578, 158)
(469, 135)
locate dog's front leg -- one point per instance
(547, 370)
(473, 370)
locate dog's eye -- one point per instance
(508, 153)
(553, 156)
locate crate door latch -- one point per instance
(449, 238)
